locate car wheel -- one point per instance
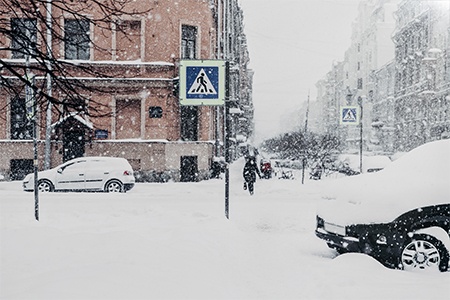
(45, 186)
(424, 252)
(114, 186)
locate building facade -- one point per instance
(422, 86)
(350, 82)
(137, 111)
(398, 69)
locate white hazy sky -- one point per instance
(292, 45)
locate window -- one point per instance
(371, 96)
(188, 41)
(155, 112)
(23, 37)
(79, 165)
(76, 39)
(360, 84)
(189, 114)
(128, 119)
(176, 88)
(189, 121)
(128, 40)
(21, 128)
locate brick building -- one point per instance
(138, 115)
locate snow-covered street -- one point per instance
(172, 241)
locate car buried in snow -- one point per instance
(109, 174)
(400, 215)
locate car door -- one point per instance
(96, 173)
(71, 176)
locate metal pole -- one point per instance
(227, 136)
(35, 158)
(48, 131)
(29, 97)
(219, 37)
(360, 134)
(226, 17)
(304, 152)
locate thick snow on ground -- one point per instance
(172, 241)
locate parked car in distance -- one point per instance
(399, 215)
(109, 174)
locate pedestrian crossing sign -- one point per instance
(349, 115)
(202, 82)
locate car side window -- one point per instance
(96, 165)
(74, 166)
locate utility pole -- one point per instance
(48, 130)
(219, 38)
(227, 140)
(304, 152)
(360, 102)
(226, 18)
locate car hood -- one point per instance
(419, 178)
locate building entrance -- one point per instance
(73, 144)
(189, 169)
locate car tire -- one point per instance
(45, 186)
(114, 186)
(424, 252)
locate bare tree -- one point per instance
(23, 33)
(298, 145)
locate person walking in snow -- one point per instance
(249, 173)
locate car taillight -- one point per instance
(127, 173)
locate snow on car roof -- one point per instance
(104, 158)
(417, 179)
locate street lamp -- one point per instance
(360, 103)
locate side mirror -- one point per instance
(60, 170)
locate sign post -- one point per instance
(227, 141)
(352, 115)
(30, 103)
(205, 83)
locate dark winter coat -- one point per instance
(250, 171)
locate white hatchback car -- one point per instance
(109, 174)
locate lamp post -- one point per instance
(349, 98)
(360, 103)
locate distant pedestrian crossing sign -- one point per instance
(202, 82)
(349, 115)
